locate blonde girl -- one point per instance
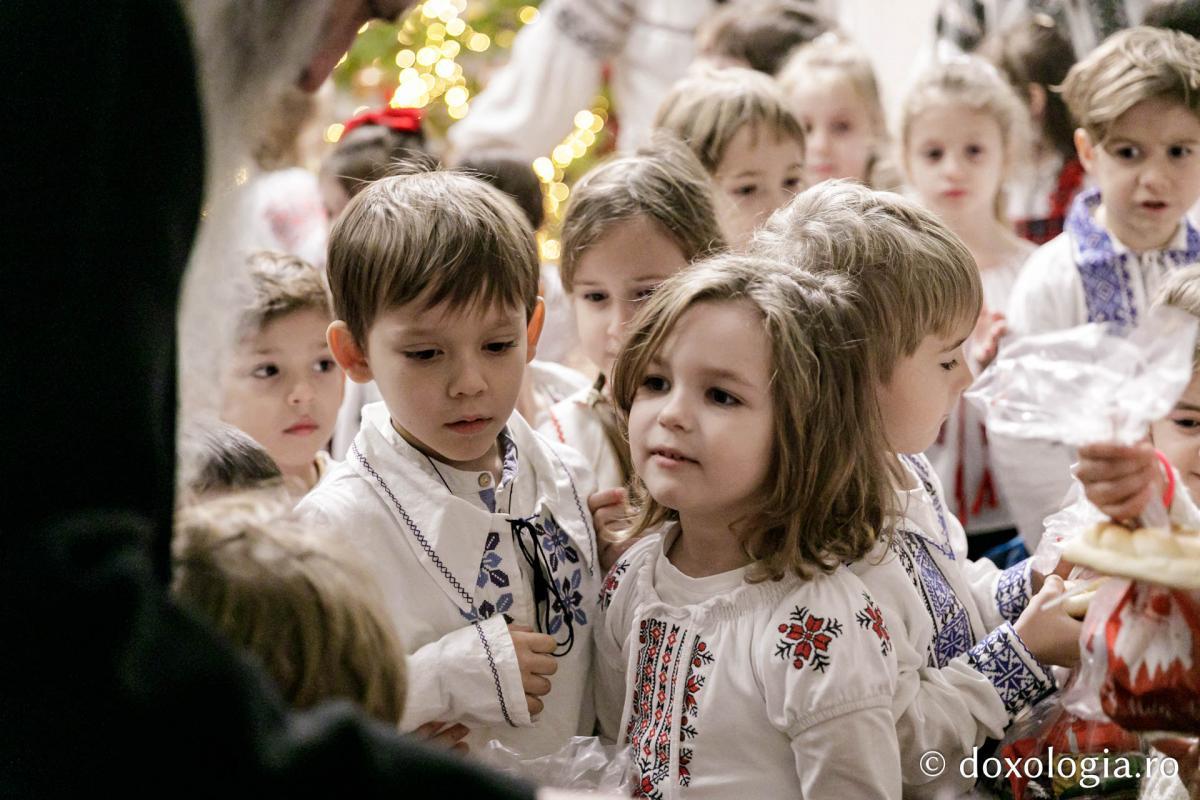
(830, 86)
(963, 130)
(972, 642)
(631, 223)
(736, 650)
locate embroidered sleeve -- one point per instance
(828, 670)
(610, 654)
(1000, 595)
(1019, 678)
(470, 675)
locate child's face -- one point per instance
(955, 161)
(1148, 171)
(449, 376)
(923, 390)
(1178, 436)
(284, 389)
(702, 421)
(614, 275)
(759, 172)
(838, 132)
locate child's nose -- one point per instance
(674, 412)
(302, 392)
(468, 379)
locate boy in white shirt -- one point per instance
(474, 527)
(1137, 101)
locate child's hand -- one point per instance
(985, 339)
(610, 514)
(533, 656)
(1120, 479)
(1051, 634)
(444, 734)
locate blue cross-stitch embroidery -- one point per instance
(508, 470)
(1004, 662)
(1012, 591)
(557, 544)
(952, 634)
(1103, 272)
(918, 465)
(492, 577)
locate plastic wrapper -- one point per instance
(1140, 651)
(1052, 753)
(583, 764)
(1092, 383)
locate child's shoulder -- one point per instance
(573, 421)
(622, 575)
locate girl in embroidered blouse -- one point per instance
(632, 223)
(963, 130)
(972, 642)
(736, 651)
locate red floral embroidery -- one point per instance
(871, 618)
(806, 639)
(701, 657)
(611, 582)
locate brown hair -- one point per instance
(1034, 51)
(707, 110)
(217, 458)
(301, 606)
(662, 182)
(281, 284)
(513, 176)
(759, 33)
(369, 152)
(1131, 66)
(827, 492)
(444, 237)
(914, 277)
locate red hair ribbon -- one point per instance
(1168, 495)
(397, 119)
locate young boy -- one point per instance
(738, 124)
(1136, 99)
(474, 527)
(282, 386)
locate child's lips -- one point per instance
(469, 425)
(1154, 206)
(669, 457)
(302, 428)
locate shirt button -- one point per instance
(485, 479)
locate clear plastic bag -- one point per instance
(584, 763)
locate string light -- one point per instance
(551, 172)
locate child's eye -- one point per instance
(500, 347)
(793, 184)
(594, 297)
(949, 365)
(1127, 152)
(933, 154)
(265, 371)
(1186, 424)
(744, 191)
(722, 397)
(421, 355)
(841, 127)
(655, 383)
(808, 126)
(324, 365)
(1179, 151)
(974, 151)
(645, 292)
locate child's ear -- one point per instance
(346, 352)
(1085, 149)
(534, 329)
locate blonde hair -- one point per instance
(280, 284)
(1182, 290)
(663, 183)
(1131, 66)
(444, 237)
(831, 54)
(707, 110)
(826, 494)
(301, 606)
(914, 277)
(972, 83)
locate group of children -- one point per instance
(739, 547)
